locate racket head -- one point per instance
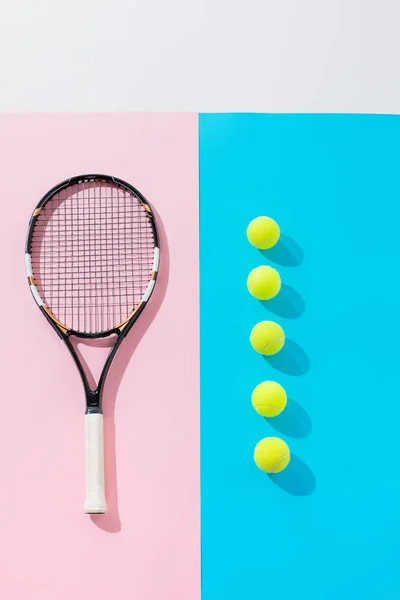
(92, 255)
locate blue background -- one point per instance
(327, 527)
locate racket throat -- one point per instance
(93, 401)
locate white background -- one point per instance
(200, 55)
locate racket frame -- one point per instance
(93, 396)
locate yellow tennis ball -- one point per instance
(272, 455)
(263, 232)
(264, 283)
(269, 398)
(267, 337)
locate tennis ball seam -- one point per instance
(265, 406)
(268, 239)
(255, 278)
(278, 283)
(271, 342)
(278, 461)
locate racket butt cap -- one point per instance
(95, 510)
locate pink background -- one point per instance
(148, 546)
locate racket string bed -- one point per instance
(92, 252)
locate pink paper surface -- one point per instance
(148, 545)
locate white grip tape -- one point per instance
(95, 495)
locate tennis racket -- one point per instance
(92, 257)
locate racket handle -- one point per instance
(95, 497)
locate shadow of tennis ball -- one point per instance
(291, 360)
(297, 479)
(286, 252)
(293, 421)
(288, 303)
